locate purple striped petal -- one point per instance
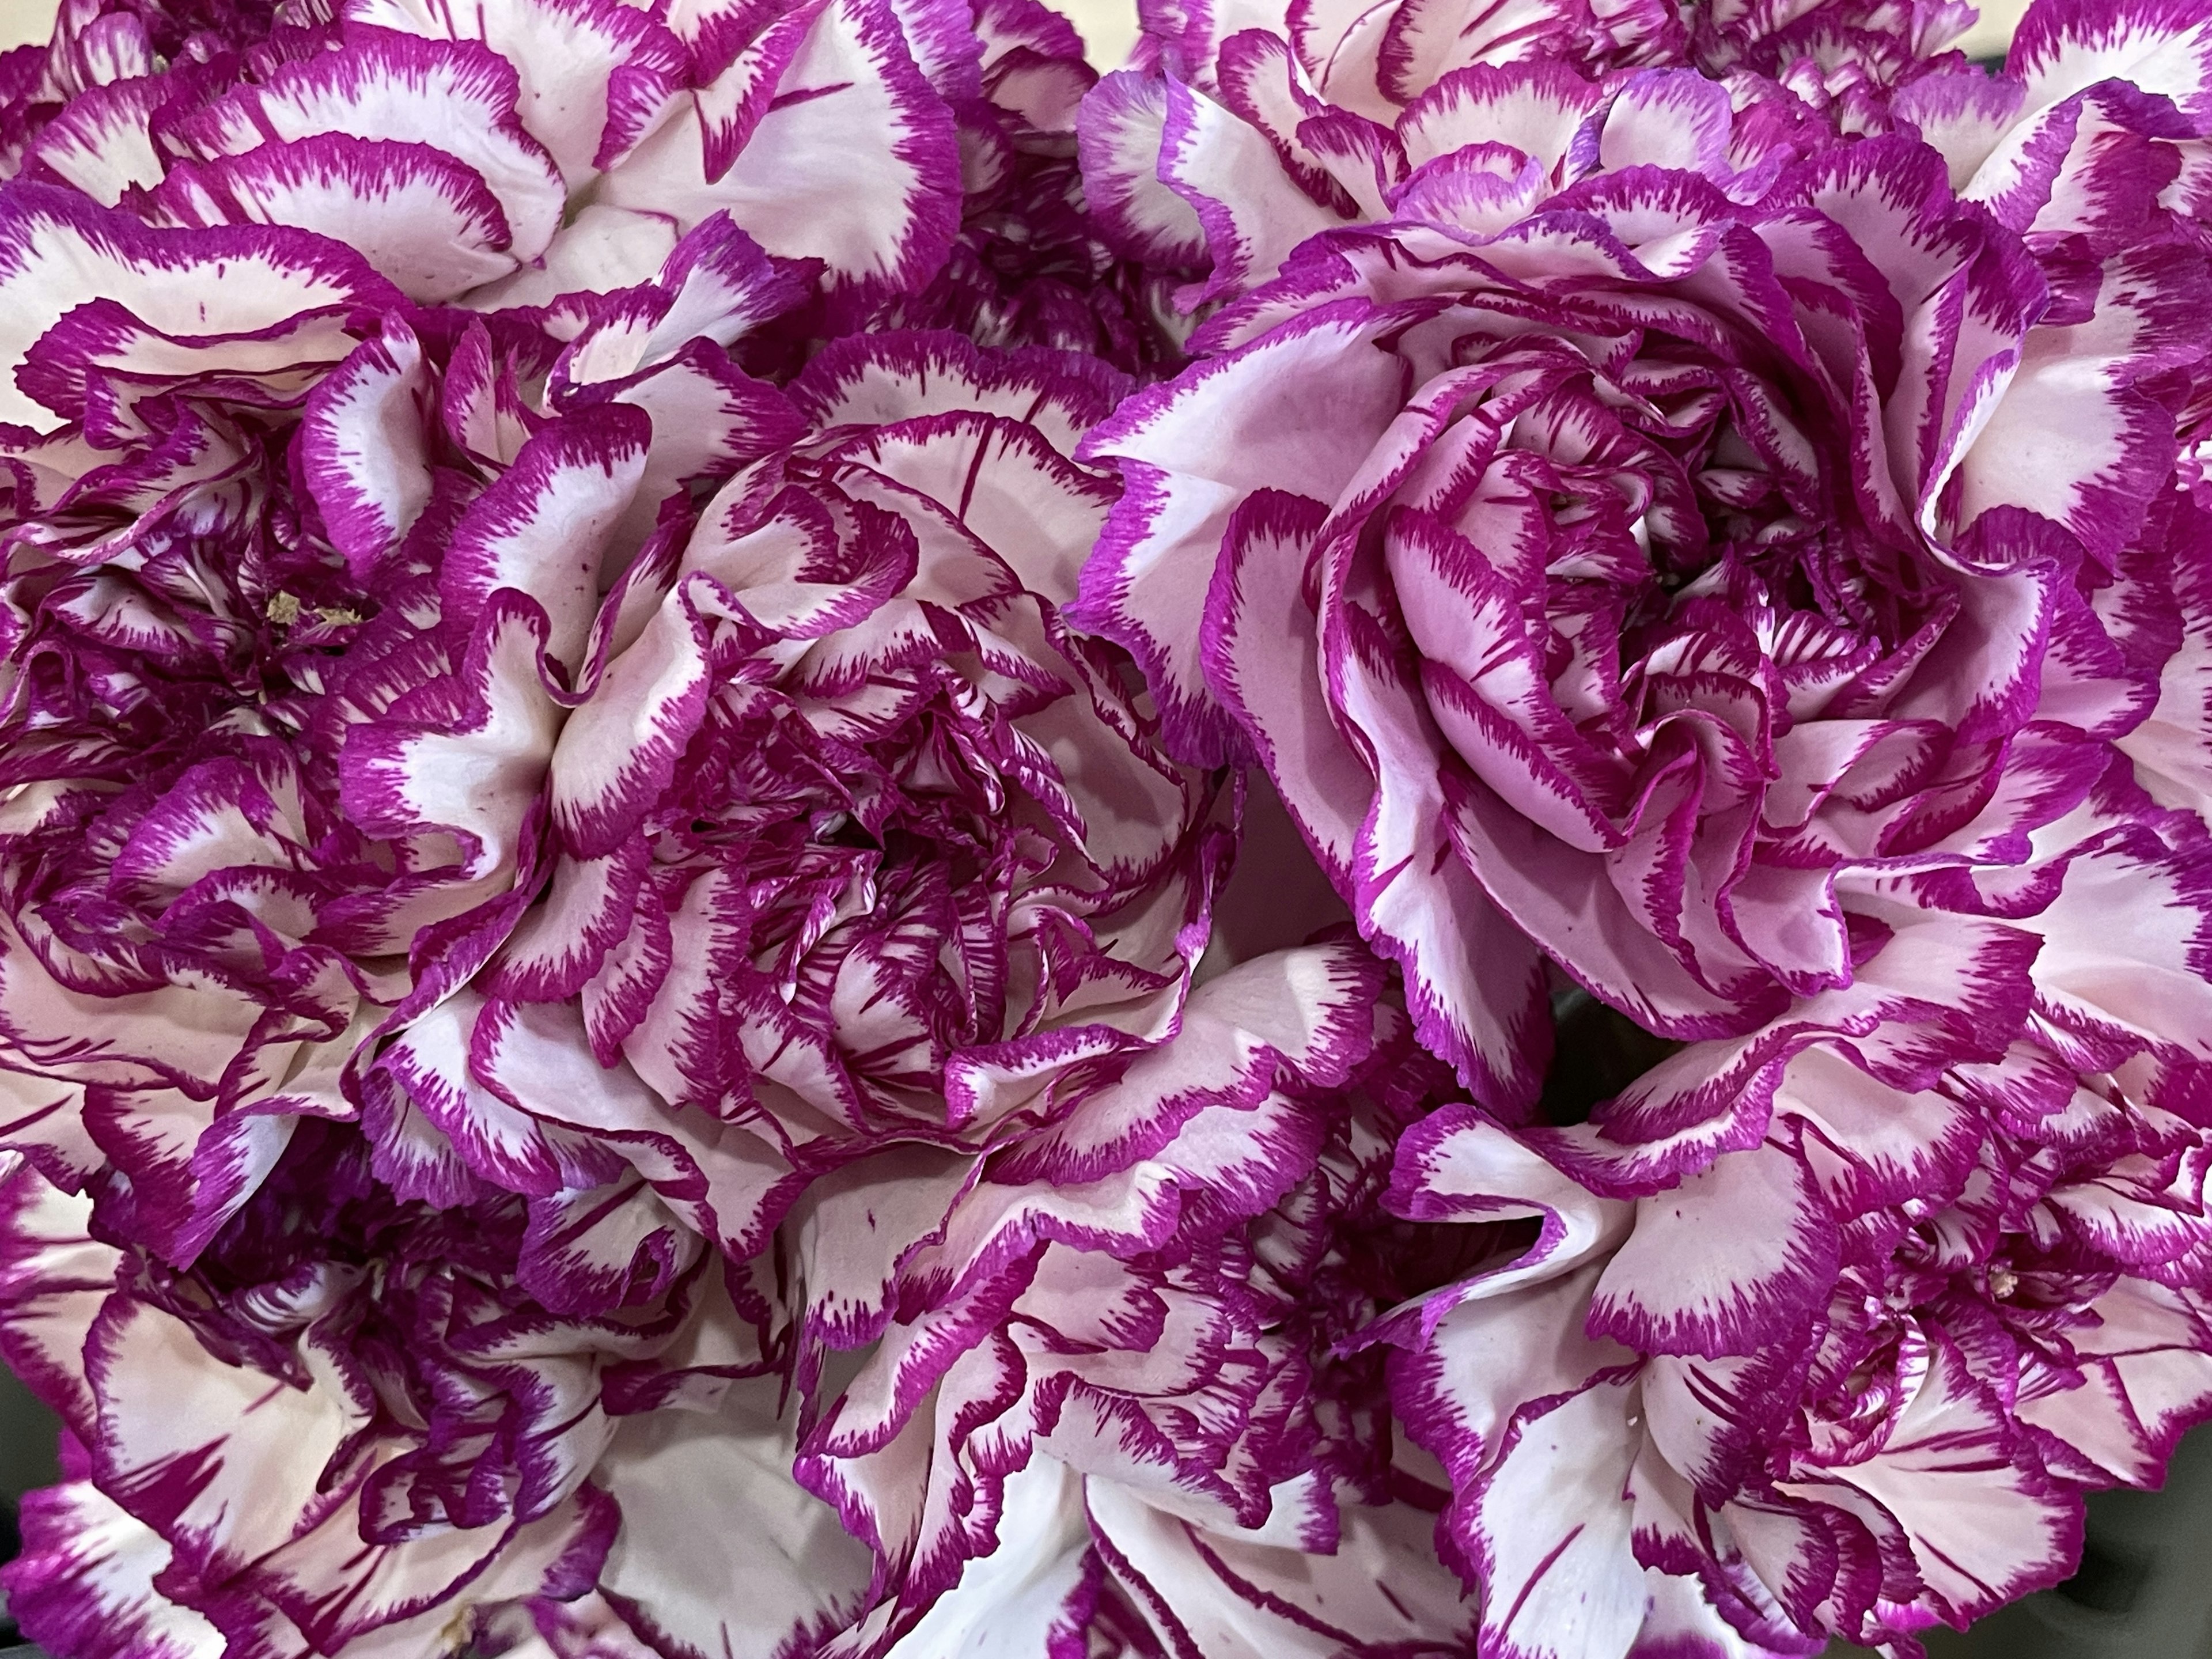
(1121, 129)
(2163, 46)
(540, 532)
(84, 1584)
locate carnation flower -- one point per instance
(852, 843)
(505, 153)
(1110, 1397)
(353, 1428)
(264, 564)
(1985, 1326)
(1110, 1370)
(345, 1417)
(1669, 550)
(275, 531)
(1833, 1321)
(1246, 132)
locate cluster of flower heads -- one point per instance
(817, 841)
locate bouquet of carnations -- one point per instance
(819, 842)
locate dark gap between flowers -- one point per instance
(1596, 1052)
(2108, 1580)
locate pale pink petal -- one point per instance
(57, 1279)
(1027, 1596)
(590, 70)
(1187, 461)
(1120, 131)
(1733, 1257)
(1550, 1531)
(473, 762)
(1984, 1526)
(57, 247)
(2163, 46)
(542, 530)
(1221, 1595)
(721, 1552)
(225, 1462)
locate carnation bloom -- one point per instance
(344, 1427)
(504, 154)
(852, 843)
(1105, 1383)
(256, 564)
(277, 531)
(1095, 1399)
(356, 1427)
(2000, 1321)
(1670, 548)
(1840, 1320)
(1245, 131)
